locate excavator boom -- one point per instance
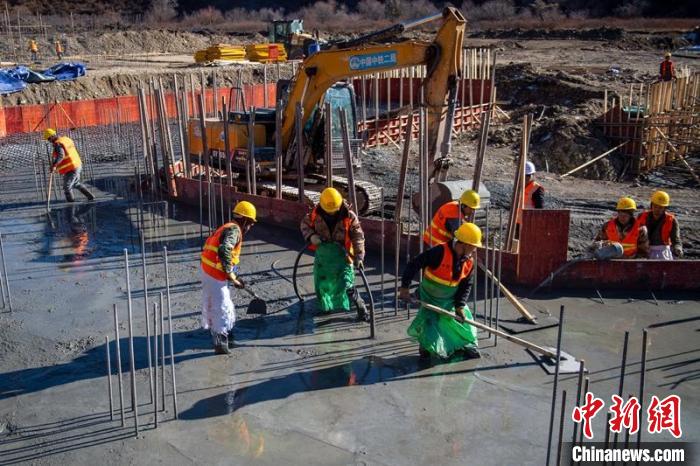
(442, 58)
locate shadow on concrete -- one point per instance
(92, 363)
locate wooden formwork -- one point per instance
(659, 124)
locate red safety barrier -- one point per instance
(123, 109)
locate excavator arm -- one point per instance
(442, 57)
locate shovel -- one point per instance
(257, 305)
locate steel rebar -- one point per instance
(642, 379)
(162, 352)
(554, 386)
(145, 307)
(5, 275)
(486, 266)
(155, 362)
(577, 401)
(498, 272)
(170, 335)
(561, 426)
(109, 379)
(132, 366)
(623, 366)
(381, 251)
(119, 363)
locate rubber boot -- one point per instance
(470, 352)
(220, 343)
(69, 196)
(86, 193)
(362, 312)
(423, 353)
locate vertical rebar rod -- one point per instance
(475, 284)
(555, 384)
(278, 151)
(347, 152)
(586, 384)
(623, 366)
(109, 379)
(408, 242)
(170, 333)
(577, 401)
(132, 366)
(381, 250)
(498, 272)
(642, 378)
(300, 150)
(492, 276)
(120, 382)
(155, 361)
(201, 212)
(562, 418)
(4, 272)
(486, 267)
(162, 352)
(145, 308)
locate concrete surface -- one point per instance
(298, 388)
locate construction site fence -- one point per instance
(658, 124)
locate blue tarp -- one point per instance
(9, 83)
(66, 71)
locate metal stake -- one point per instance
(581, 371)
(622, 375)
(4, 272)
(145, 308)
(556, 382)
(561, 426)
(162, 354)
(155, 361)
(642, 377)
(109, 379)
(170, 332)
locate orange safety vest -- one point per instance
(211, 264)
(347, 221)
(629, 242)
(59, 47)
(437, 232)
(33, 46)
(529, 190)
(71, 160)
(665, 228)
(443, 273)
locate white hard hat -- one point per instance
(529, 168)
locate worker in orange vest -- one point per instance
(533, 194)
(667, 72)
(626, 230)
(59, 49)
(664, 232)
(447, 280)
(34, 49)
(336, 237)
(66, 161)
(449, 217)
(219, 261)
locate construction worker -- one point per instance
(34, 49)
(59, 49)
(667, 72)
(66, 161)
(219, 261)
(626, 230)
(533, 194)
(450, 216)
(335, 234)
(447, 270)
(664, 232)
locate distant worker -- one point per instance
(66, 161)
(447, 280)
(34, 49)
(667, 72)
(336, 236)
(59, 49)
(219, 261)
(450, 216)
(533, 194)
(664, 232)
(626, 230)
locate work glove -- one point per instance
(405, 294)
(678, 251)
(460, 314)
(238, 283)
(359, 263)
(315, 239)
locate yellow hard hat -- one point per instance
(49, 132)
(470, 198)
(331, 200)
(246, 209)
(469, 233)
(661, 198)
(626, 203)
(668, 55)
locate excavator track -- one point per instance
(368, 194)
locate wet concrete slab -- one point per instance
(299, 388)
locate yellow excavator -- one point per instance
(326, 76)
